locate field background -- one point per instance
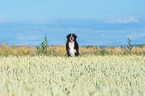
(114, 66)
(39, 71)
(82, 76)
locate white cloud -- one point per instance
(28, 38)
(2, 21)
(5, 21)
(136, 35)
(123, 20)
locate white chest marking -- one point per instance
(72, 51)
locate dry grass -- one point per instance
(60, 51)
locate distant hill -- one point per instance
(122, 46)
(88, 46)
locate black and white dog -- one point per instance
(72, 46)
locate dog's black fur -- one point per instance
(72, 46)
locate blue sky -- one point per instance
(96, 22)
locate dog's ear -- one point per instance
(75, 36)
(68, 36)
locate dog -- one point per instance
(72, 46)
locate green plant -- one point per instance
(129, 44)
(44, 44)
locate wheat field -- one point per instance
(76, 76)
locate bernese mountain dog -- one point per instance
(72, 46)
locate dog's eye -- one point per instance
(68, 36)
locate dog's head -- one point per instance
(71, 37)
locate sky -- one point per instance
(95, 22)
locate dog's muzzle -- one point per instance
(71, 38)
